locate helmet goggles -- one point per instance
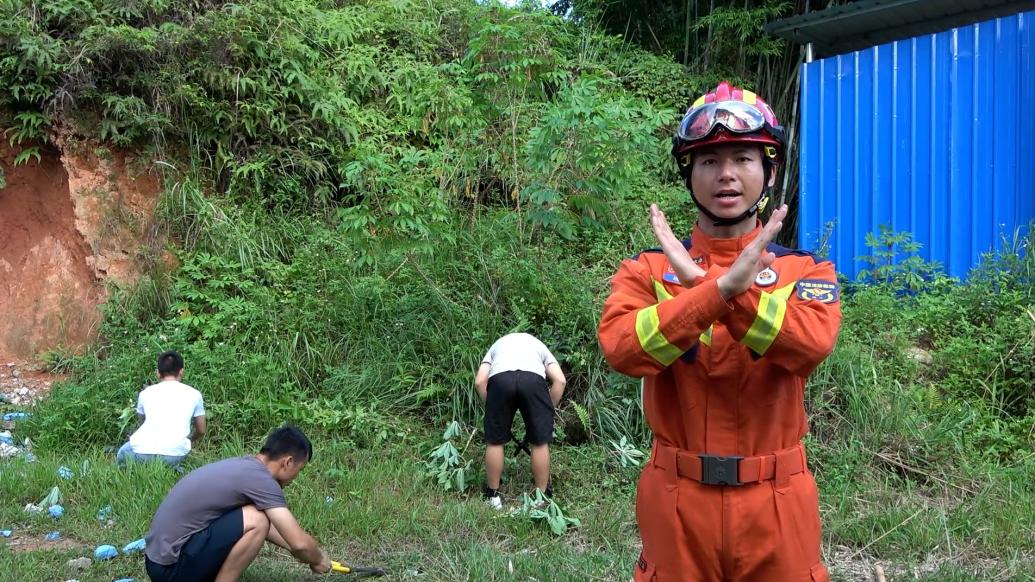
(736, 117)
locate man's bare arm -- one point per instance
(286, 533)
(481, 381)
(557, 382)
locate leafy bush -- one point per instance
(446, 465)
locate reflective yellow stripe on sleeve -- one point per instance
(772, 307)
(660, 292)
(663, 295)
(648, 331)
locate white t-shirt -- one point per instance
(518, 352)
(168, 408)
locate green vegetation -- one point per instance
(361, 196)
(368, 506)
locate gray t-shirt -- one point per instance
(203, 496)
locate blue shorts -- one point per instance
(204, 553)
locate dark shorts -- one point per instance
(204, 553)
(513, 391)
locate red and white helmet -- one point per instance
(729, 115)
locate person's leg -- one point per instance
(172, 461)
(204, 554)
(125, 451)
(541, 466)
(493, 465)
(126, 455)
(500, 408)
(537, 410)
(256, 527)
(781, 528)
(681, 527)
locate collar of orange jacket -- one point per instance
(721, 250)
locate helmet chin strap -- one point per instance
(757, 207)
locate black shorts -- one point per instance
(204, 553)
(513, 391)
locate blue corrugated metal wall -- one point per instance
(932, 135)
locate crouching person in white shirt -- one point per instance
(173, 417)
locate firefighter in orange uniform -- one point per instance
(724, 328)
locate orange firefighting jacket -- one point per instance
(722, 378)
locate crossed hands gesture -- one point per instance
(741, 274)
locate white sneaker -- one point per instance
(495, 502)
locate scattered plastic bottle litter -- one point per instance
(5, 533)
(10, 416)
(7, 450)
(134, 546)
(5, 437)
(104, 513)
(105, 552)
(125, 580)
(56, 511)
(30, 458)
(328, 500)
(53, 536)
(80, 563)
(65, 473)
(53, 497)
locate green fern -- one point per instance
(583, 416)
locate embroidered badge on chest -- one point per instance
(670, 277)
(766, 277)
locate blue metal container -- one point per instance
(932, 135)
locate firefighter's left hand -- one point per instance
(754, 258)
(682, 265)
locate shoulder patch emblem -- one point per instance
(670, 277)
(818, 290)
(766, 277)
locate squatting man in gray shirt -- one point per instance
(213, 522)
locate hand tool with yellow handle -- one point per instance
(344, 569)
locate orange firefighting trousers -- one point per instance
(765, 530)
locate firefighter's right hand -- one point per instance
(682, 265)
(754, 258)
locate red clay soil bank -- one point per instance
(68, 224)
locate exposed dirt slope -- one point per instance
(69, 224)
